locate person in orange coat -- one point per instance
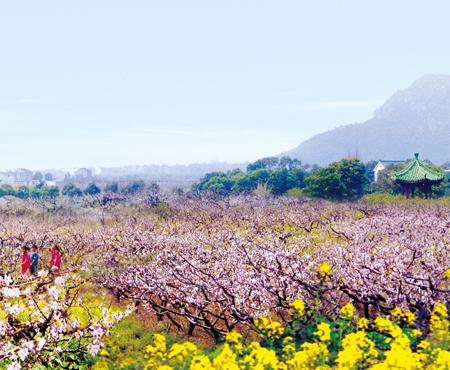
(55, 260)
(26, 261)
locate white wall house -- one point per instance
(381, 165)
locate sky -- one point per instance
(112, 83)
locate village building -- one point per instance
(382, 165)
(19, 177)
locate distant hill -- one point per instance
(416, 119)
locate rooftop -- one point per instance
(418, 171)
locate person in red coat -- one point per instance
(26, 261)
(55, 261)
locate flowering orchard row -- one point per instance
(308, 341)
(217, 266)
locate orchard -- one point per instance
(241, 282)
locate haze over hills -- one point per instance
(416, 119)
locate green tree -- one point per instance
(135, 187)
(278, 181)
(7, 190)
(267, 162)
(154, 187)
(289, 163)
(385, 184)
(23, 192)
(72, 191)
(92, 189)
(296, 178)
(52, 192)
(246, 182)
(112, 187)
(343, 180)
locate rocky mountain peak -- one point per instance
(416, 119)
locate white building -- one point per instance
(381, 165)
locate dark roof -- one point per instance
(389, 161)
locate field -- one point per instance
(234, 283)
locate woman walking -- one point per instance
(55, 261)
(26, 262)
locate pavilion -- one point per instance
(418, 175)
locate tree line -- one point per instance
(347, 179)
(42, 191)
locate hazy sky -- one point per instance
(86, 83)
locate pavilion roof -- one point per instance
(418, 171)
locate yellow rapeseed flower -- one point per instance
(181, 351)
(362, 323)
(325, 270)
(348, 311)
(323, 332)
(260, 358)
(358, 352)
(159, 344)
(310, 356)
(439, 324)
(233, 337)
(299, 306)
(407, 316)
(268, 328)
(226, 359)
(201, 362)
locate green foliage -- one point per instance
(112, 187)
(296, 193)
(264, 163)
(279, 175)
(154, 187)
(126, 343)
(92, 189)
(387, 198)
(135, 187)
(163, 210)
(385, 184)
(343, 180)
(23, 192)
(72, 191)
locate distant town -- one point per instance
(168, 177)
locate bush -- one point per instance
(387, 198)
(296, 193)
(135, 187)
(72, 191)
(92, 189)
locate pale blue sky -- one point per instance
(87, 83)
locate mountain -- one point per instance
(416, 119)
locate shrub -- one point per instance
(296, 193)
